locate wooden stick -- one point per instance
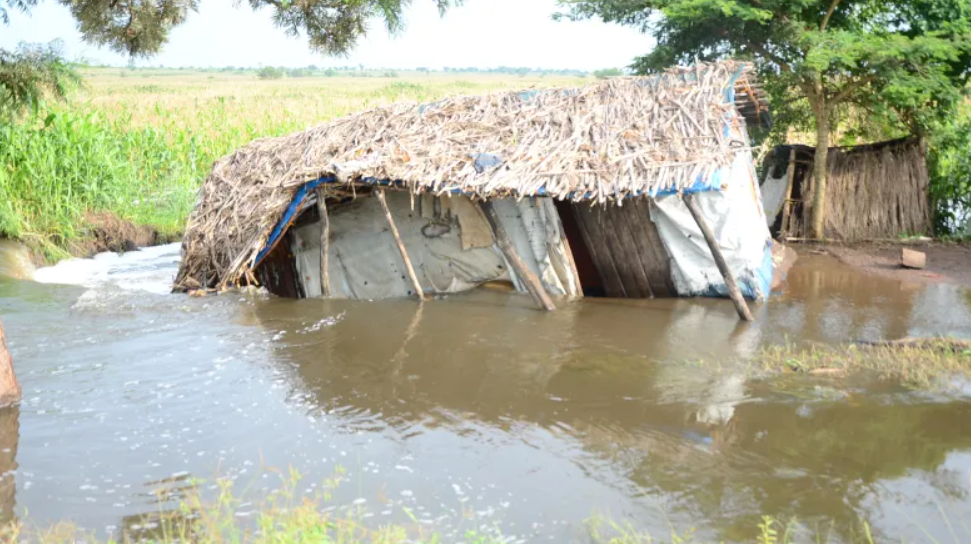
(9, 388)
(324, 244)
(401, 246)
(532, 282)
(716, 252)
(786, 207)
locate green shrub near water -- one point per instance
(55, 169)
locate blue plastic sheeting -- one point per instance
(765, 271)
(288, 216)
(484, 161)
(756, 288)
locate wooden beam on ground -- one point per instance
(533, 285)
(733, 292)
(787, 203)
(9, 388)
(401, 245)
(324, 243)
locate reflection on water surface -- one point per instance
(476, 410)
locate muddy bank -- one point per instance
(946, 262)
(106, 231)
(103, 232)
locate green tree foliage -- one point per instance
(29, 73)
(949, 162)
(901, 61)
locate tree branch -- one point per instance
(852, 87)
(829, 13)
(769, 56)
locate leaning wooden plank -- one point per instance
(324, 243)
(733, 292)
(9, 388)
(532, 282)
(401, 245)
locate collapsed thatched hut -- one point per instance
(561, 191)
(873, 191)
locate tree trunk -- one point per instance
(821, 110)
(9, 389)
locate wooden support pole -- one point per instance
(716, 252)
(787, 203)
(532, 282)
(401, 246)
(9, 388)
(324, 243)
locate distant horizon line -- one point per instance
(349, 68)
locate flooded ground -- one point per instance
(476, 411)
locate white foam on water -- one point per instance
(149, 269)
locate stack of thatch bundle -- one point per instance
(873, 192)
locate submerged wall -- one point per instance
(447, 239)
(735, 215)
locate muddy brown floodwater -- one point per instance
(476, 411)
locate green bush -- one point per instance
(53, 170)
(270, 72)
(949, 165)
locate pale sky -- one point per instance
(481, 33)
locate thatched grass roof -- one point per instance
(614, 139)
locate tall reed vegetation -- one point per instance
(55, 170)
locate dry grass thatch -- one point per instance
(618, 138)
(872, 192)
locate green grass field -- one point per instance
(138, 143)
